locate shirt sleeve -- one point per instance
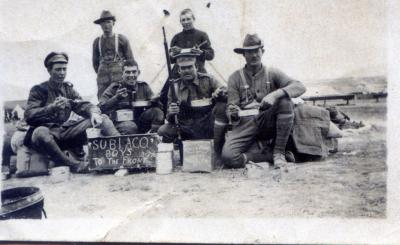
(291, 87)
(96, 55)
(208, 50)
(81, 107)
(107, 100)
(234, 89)
(126, 48)
(37, 113)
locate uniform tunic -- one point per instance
(191, 38)
(39, 113)
(195, 122)
(310, 123)
(144, 117)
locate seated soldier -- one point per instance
(191, 103)
(134, 99)
(49, 107)
(260, 106)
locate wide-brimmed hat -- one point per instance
(251, 41)
(55, 57)
(105, 15)
(186, 57)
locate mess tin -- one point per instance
(201, 103)
(249, 112)
(141, 103)
(124, 115)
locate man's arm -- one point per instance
(37, 113)
(234, 89)
(126, 48)
(291, 87)
(81, 107)
(207, 49)
(96, 55)
(108, 100)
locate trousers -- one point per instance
(261, 127)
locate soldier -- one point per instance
(189, 38)
(194, 104)
(192, 38)
(259, 105)
(109, 52)
(49, 107)
(135, 99)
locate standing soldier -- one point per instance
(133, 98)
(193, 105)
(189, 38)
(259, 103)
(48, 109)
(110, 50)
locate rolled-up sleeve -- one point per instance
(293, 88)
(234, 89)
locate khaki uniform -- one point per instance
(145, 118)
(67, 133)
(195, 122)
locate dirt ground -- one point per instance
(350, 183)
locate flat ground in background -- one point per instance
(350, 183)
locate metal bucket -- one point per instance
(22, 203)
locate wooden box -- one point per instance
(198, 156)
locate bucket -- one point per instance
(22, 203)
(164, 158)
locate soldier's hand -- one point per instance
(233, 111)
(122, 93)
(173, 109)
(61, 102)
(221, 91)
(268, 101)
(175, 50)
(96, 119)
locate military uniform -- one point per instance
(109, 54)
(195, 122)
(192, 38)
(245, 88)
(66, 132)
(146, 118)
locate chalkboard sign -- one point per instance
(128, 151)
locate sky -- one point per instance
(307, 39)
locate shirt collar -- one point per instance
(184, 84)
(249, 72)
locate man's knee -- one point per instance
(232, 158)
(41, 135)
(285, 105)
(127, 127)
(167, 132)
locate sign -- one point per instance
(127, 151)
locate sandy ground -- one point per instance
(350, 183)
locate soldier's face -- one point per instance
(107, 26)
(58, 72)
(131, 73)
(187, 72)
(187, 21)
(253, 57)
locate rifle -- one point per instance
(171, 82)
